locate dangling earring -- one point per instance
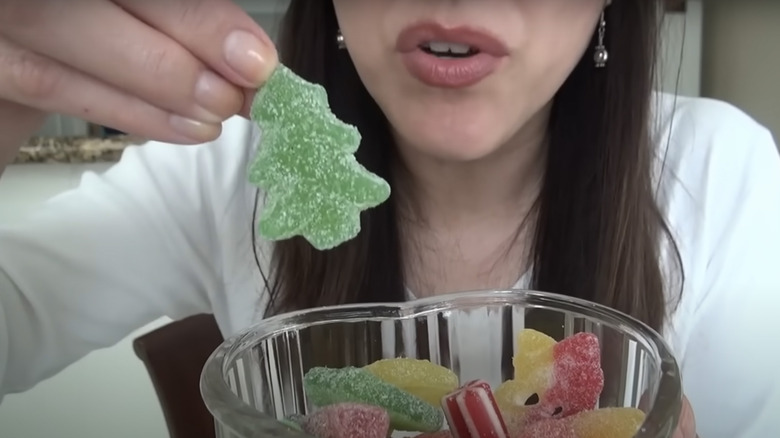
(601, 55)
(340, 42)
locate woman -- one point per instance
(539, 157)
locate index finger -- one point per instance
(218, 32)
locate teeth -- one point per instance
(443, 47)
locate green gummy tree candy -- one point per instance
(306, 165)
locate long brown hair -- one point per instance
(598, 229)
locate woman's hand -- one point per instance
(686, 427)
(170, 70)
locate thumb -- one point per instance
(686, 427)
(17, 123)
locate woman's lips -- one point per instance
(486, 53)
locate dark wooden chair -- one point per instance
(174, 356)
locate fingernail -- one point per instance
(216, 98)
(193, 129)
(244, 52)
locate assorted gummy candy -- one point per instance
(553, 394)
(305, 162)
(328, 386)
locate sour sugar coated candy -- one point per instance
(533, 376)
(471, 412)
(554, 393)
(551, 379)
(328, 386)
(348, 420)
(608, 423)
(422, 378)
(534, 353)
(550, 428)
(579, 378)
(598, 423)
(305, 162)
(439, 434)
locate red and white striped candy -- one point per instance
(472, 412)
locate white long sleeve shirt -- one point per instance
(167, 232)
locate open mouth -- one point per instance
(453, 57)
(441, 49)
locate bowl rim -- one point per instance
(248, 422)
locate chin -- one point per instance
(456, 139)
(453, 146)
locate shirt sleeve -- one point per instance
(121, 250)
(731, 368)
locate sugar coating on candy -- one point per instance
(348, 420)
(579, 378)
(515, 418)
(552, 379)
(440, 434)
(305, 162)
(598, 423)
(534, 354)
(519, 398)
(550, 428)
(421, 378)
(327, 386)
(608, 423)
(533, 370)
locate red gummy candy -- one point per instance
(553, 428)
(579, 378)
(348, 420)
(472, 412)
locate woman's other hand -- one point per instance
(170, 70)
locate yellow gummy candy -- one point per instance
(533, 371)
(511, 397)
(534, 352)
(421, 378)
(608, 423)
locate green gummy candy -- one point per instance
(305, 163)
(327, 386)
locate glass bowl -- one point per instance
(254, 379)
